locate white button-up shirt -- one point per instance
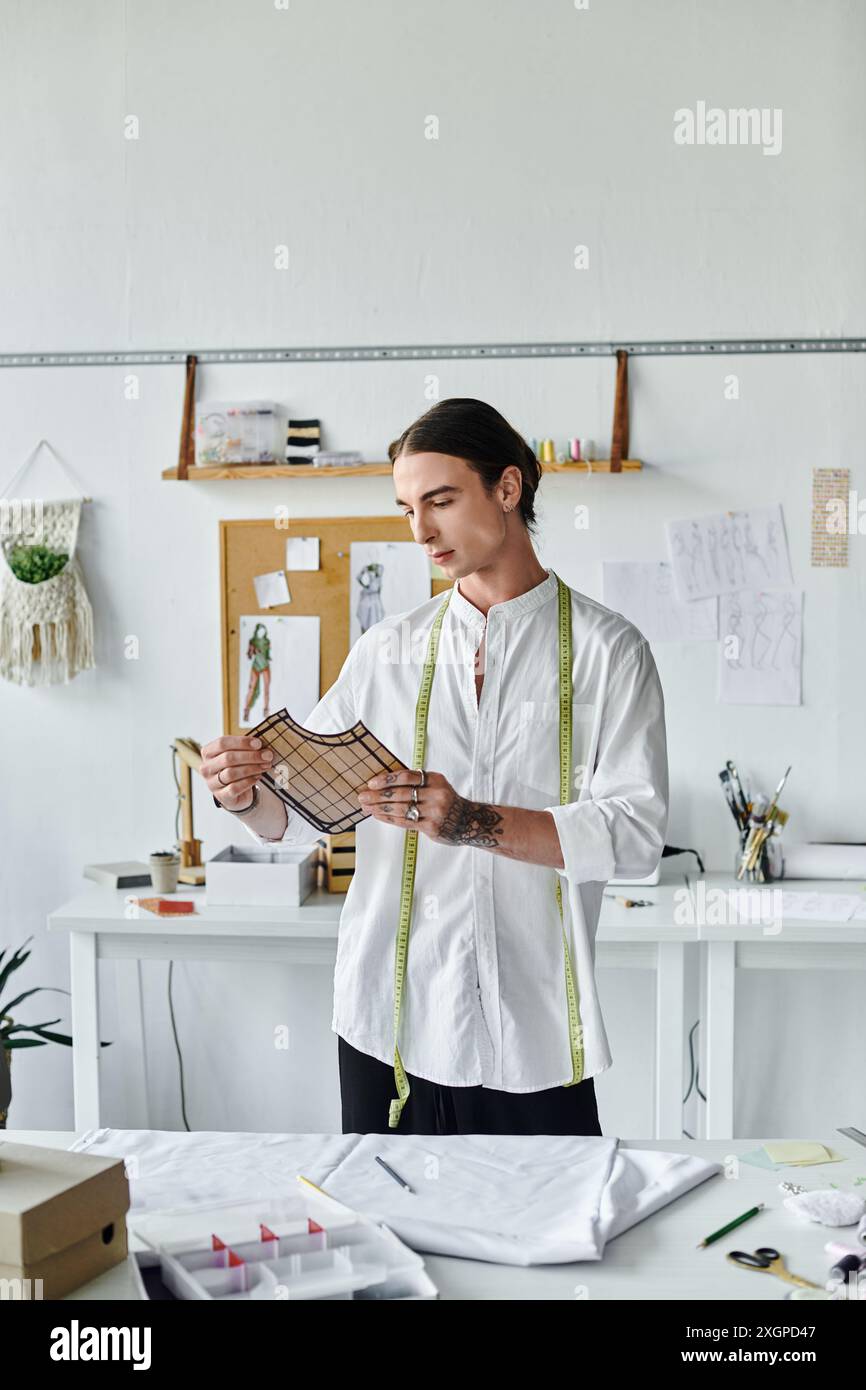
(484, 997)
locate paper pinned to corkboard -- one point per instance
(830, 489)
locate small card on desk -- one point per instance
(167, 907)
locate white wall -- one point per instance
(306, 127)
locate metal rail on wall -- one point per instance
(385, 353)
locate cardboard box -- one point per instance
(62, 1216)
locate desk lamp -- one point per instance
(191, 868)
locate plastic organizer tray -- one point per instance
(308, 1246)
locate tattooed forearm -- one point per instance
(514, 832)
(471, 823)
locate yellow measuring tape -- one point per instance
(410, 846)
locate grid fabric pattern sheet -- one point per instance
(318, 774)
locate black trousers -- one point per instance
(367, 1087)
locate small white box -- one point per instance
(281, 876)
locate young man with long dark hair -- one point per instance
(464, 993)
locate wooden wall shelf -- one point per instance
(374, 470)
(188, 471)
(272, 470)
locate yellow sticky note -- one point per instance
(807, 1162)
(796, 1151)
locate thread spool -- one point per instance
(838, 1250)
(844, 1269)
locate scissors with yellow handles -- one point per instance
(766, 1260)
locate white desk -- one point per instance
(656, 1259)
(100, 928)
(748, 945)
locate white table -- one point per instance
(100, 927)
(800, 945)
(655, 1259)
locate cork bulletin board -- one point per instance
(249, 547)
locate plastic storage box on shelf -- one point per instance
(307, 1247)
(237, 432)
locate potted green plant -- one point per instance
(8, 1026)
(165, 870)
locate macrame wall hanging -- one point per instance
(46, 620)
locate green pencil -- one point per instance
(738, 1221)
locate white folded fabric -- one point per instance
(511, 1199)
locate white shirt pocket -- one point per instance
(538, 747)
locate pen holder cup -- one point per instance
(771, 860)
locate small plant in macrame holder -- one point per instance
(46, 620)
(33, 564)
